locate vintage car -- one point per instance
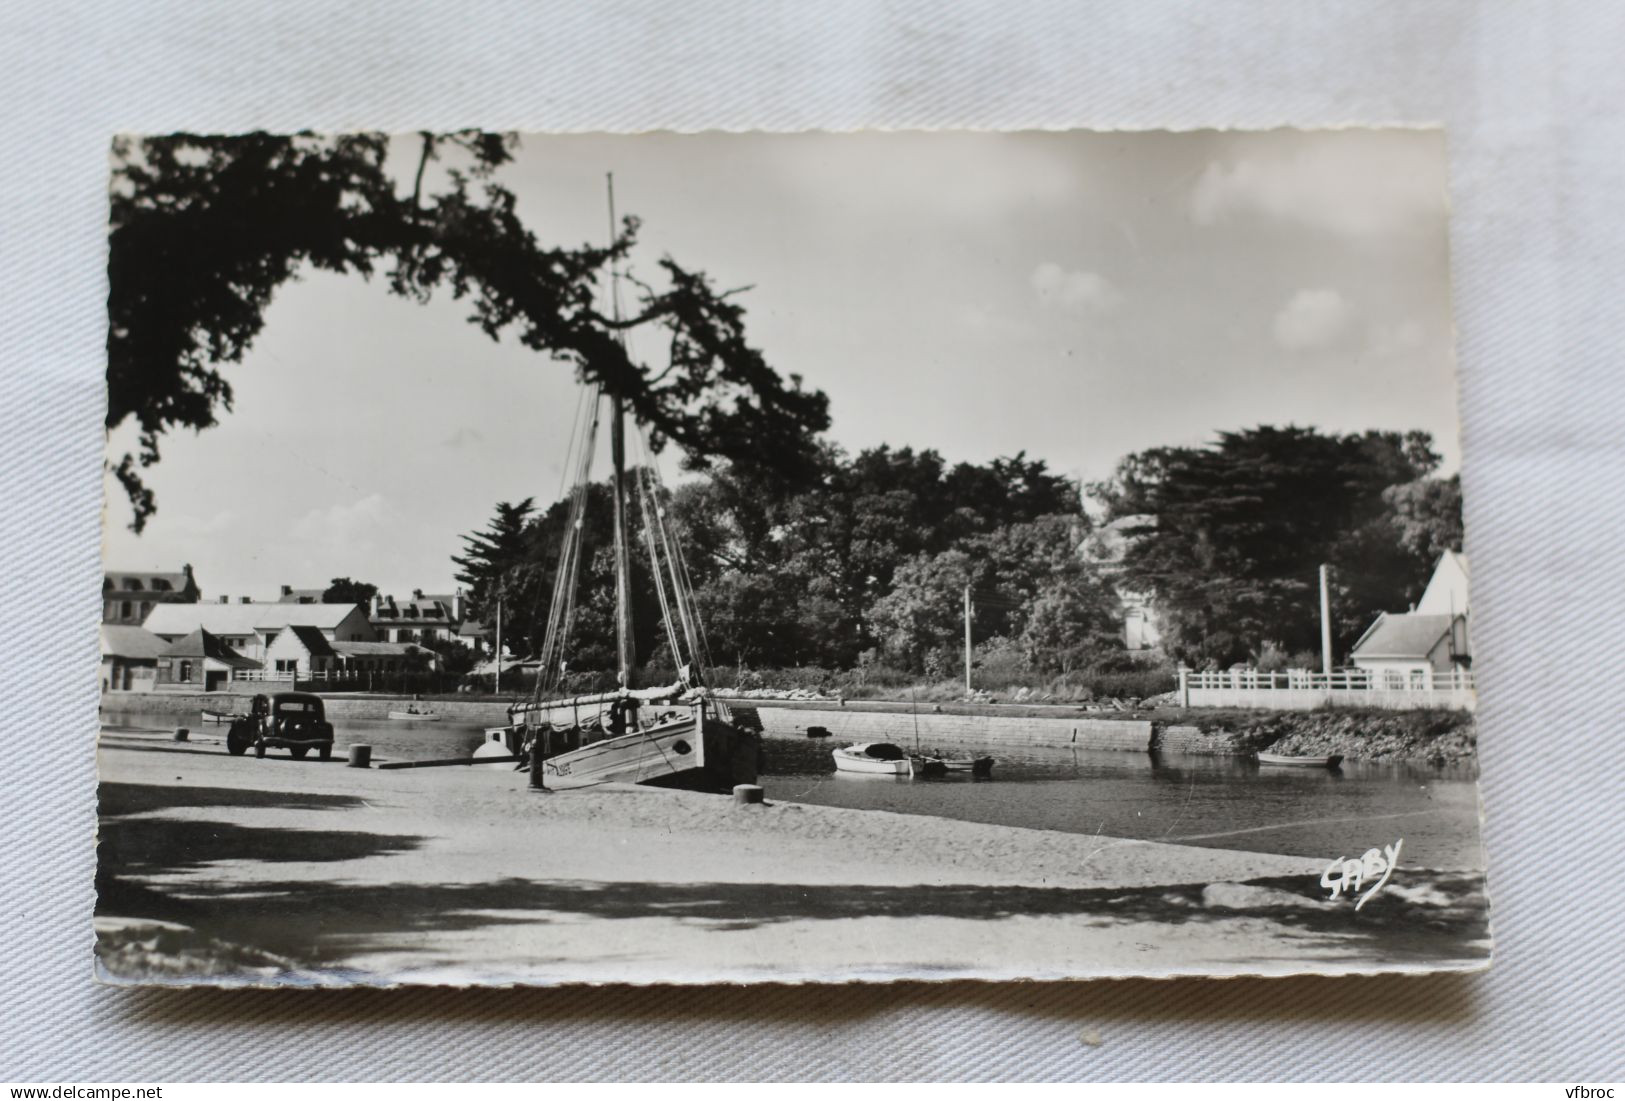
(295, 721)
(246, 729)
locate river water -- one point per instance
(1220, 802)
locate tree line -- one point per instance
(868, 562)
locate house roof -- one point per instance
(379, 649)
(473, 628)
(133, 643)
(302, 596)
(201, 644)
(314, 641)
(1403, 636)
(243, 619)
(128, 581)
(424, 609)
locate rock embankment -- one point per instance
(1437, 736)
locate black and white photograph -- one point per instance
(783, 557)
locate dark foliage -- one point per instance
(206, 229)
(1230, 537)
(345, 591)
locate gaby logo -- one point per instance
(1350, 875)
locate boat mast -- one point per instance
(617, 452)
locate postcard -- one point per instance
(803, 557)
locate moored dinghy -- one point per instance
(976, 766)
(1333, 760)
(875, 759)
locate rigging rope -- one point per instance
(561, 611)
(655, 570)
(682, 584)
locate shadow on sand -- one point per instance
(317, 923)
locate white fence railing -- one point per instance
(318, 675)
(1302, 689)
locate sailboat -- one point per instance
(675, 735)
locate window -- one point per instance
(133, 585)
(159, 585)
(185, 674)
(125, 610)
(287, 665)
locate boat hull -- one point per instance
(413, 717)
(219, 717)
(976, 766)
(691, 750)
(854, 760)
(1332, 761)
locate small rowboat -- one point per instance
(976, 766)
(219, 716)
(414, 716)
(874, 759)
(1331, 761)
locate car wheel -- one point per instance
(298, 751)
(326, 752)
(236, 742)
(259, 749)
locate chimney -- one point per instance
(417, 594)
(287, 590)
(224, 599)
(245, 600)
(457, 605)
(374, 611)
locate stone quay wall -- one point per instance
(859, 722)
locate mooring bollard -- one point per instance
(361, 756)
(748, 793)
(538, 776)
(181, 733)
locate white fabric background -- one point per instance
(1531, 93)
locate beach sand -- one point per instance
(234, 869)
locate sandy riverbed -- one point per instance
(228, 869)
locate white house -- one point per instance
(251, 628)
(1414, 649)
(306, 653)
(423, 618)
(1446, 593)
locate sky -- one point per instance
(1074, 296)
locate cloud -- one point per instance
(1074, 290)
(1352, 187)
(1312, 319)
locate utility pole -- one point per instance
(967, 639)
(1326, 622)
(497, 688)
